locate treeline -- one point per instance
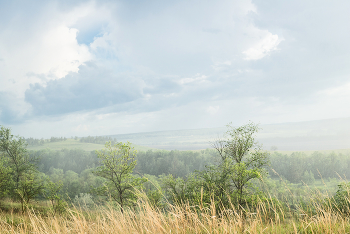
(295, 167)
(73, 167)
(178, 163)
(35, 142)
(97, 139)
(298, 166)
(76, 160)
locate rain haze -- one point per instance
(79, 68)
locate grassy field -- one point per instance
(268, 217)
(76, 144)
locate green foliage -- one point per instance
(154, 191)
(242, 160)
(117, 164)
(175, 162)
(30, 185)
(52, 193)
(5, 176)
(322, 165)
(76, 160)
(83, 200)
(97, 139)
(175, 187)
(25, 182)
(229, 182)
(308, 178)
(342, 198)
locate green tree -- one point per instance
(341, 200)
(242, 160)
(30, 185)
(229, 181)
(52, 192)
(5, 176)
(117, 164)
(308, 178)
(25, 181)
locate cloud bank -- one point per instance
(105, 67)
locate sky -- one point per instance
(79, 68)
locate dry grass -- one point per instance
(269, 217)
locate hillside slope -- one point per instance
(328, 134)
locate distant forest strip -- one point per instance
(181, 163)
(74, 166)
(89, 139)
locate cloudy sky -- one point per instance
(78, 68)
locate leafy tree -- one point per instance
(342, 199)
(5, 176)
(25, 181)
(30, 185)
(242, 160)
(117, 164)
(52, 193)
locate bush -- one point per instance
(342, 198)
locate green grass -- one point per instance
(76, 144)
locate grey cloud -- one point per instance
(8, 113)
(91, 88)
(95, 88)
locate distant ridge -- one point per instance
(328, 134)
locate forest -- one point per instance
(235, 175)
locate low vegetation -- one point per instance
(269, 216)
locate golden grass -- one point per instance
(269, 217)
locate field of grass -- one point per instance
(76, 144)
(268, 217)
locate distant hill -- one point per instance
(330, 134)
(76, 144)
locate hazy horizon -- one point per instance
(331, 134)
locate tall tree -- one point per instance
(242, 159)
(26, 183)
(5, 175)
(117, 164)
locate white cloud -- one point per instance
(213, 109)
(48, 48)
(58, 52)
(221, 65)
(262, 47)
(198, 78)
